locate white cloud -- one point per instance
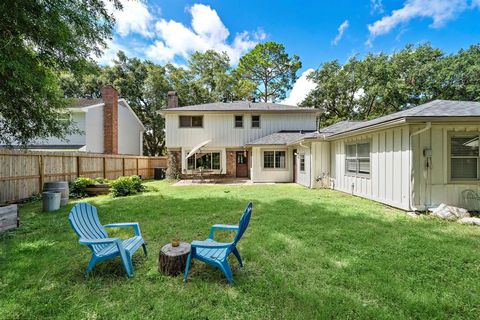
(376, 6)
(110, 53)
(134, 18)
(440, 11)
(300, 89)
(207, 31)
(341, 29)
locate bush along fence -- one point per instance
(23, 173)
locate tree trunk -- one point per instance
(172, 260)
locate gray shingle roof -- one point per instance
(281, 138)
(241, 106)
(85, 102)
(433, 109)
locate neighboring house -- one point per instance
(107, 125)
(230, 135)
(413, 159)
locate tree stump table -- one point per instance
(172, 260)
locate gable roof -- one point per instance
(281, 138)
(83, 104)
(436, 109)
(86, 102)
(243, 106)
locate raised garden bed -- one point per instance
(9, 218)
(98, 189)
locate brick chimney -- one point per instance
(110, 120)
(172, 100)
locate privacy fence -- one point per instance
(22, 174)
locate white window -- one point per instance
(191, 121)
(274, 159)
(301, 160)
(464, 156)
(357, 161)
(204, 160)
(255, 121)
(238, 121)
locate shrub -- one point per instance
(125, 186)
(79, 186)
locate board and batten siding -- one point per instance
(130, 132)
(220, 128)
(389, 179)
(432, 185)
(320, 152)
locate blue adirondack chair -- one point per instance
(216, 253)
(84, 220)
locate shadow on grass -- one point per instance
(325, 256)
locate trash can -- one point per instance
(51, 201)
(158, 173)
(58, 186)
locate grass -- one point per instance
(307, 254)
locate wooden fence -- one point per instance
(22, 174)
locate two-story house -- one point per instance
(240, 139)
(105, 125)
(414, 159)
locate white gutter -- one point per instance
(428, 125)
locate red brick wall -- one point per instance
(110, 120)
(231, 164)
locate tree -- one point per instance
(377, 85)
(39, 40)
(271, 69)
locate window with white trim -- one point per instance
(255, 121)
(464, 157)
(274, 159)
(191, 121)
(357, 160)
(204, 160)
(238, 121)
(301, 160)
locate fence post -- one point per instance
(123, 167)
(78, 167)
(41, 172)
(104, 167)
(137, 167)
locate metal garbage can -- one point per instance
(58, 186)
(158, 173)
(51, 201)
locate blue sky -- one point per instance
(317, 31)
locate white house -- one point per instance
(413, 159)
(229, 134)
(106, 125)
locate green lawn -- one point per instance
(307, 254)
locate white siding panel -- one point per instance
(220, 129)
(129, 130)
(389, 162)
(259, 174)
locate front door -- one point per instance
(242, 164)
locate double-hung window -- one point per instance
(357, 161)
(191, 121)
(238, 121)
(274, 159)
(464, 157)
(301, 160)
(255, 121)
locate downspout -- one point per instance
(428, 125)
